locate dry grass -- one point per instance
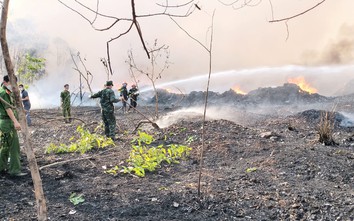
(326, 127)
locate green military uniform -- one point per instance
(9, 143)
(107, 98)
(65, 101)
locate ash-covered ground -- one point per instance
(262, 161)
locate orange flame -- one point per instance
(300, 81)
(173, 91)
(168, 90)
(237, 89)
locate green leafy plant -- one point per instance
(76, 198)
(113, 170)
(190, 139)
(251, 169)
(85, 142)
(31, 68)
(144, 138)
(144, 158)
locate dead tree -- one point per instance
(183, 9)
(37, 182)
(88, 77)
(208, 49)
(156, 68)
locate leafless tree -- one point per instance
(208, 49)
(159, 63)
(182, 9)
(87, 76)
(37, 182)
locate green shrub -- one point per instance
(85, 142)
(144, 158)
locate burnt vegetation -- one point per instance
(285, 159)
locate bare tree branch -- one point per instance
(271, 8)
(155, 71)
(287, 30)
(189, 35)
(96, 13)
(209, 51)
(206, 102)
(237, 4)
(134, 20)
(175, 6)
(299, 14)
(108, 49)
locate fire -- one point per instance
(173, 91)
(300, 81)
(238, 90)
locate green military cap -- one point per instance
(109, 83)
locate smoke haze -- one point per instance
(248, 51)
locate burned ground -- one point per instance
(271, 168)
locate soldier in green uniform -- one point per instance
(107, 98)
(65, 103)
(9, 142)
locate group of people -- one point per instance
(132, 94)
(107, 98)
(9, 125)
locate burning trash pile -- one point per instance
(289, 93)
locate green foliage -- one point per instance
(76, 198)
(112, 171)
(31, 68)
(251, 169)
(84, 143)
(143, 138)
(191, 139)
(144, 158)
(163, 188)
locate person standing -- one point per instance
(124, 96)
(9, 142)
(107, 98)
(133, 96)
(26, 104)
(65, 98)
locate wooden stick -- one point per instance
(65, 161)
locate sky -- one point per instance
(247, 51)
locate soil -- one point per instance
(271, 168)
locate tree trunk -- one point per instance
(156, 100)
(37, 182)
